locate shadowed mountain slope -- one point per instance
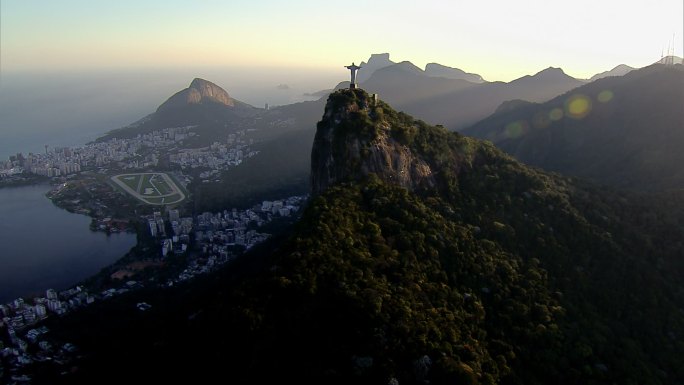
(623, 131)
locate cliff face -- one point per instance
(354, 140)
(200, 91)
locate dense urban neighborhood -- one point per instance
(143, 151)
(207, 241)
(104, 180)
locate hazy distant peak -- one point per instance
(200, 91)
(622, 67)
(409, 67)
(442, 71)
(551, 72)
(398, 71)
(619, 70)
(375, 62)
(380, 58)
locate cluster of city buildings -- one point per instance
(232, 227)
(131, 153)
(218, 238)
(19, 314)
(25, 342)
(218, 156)
(60, 161)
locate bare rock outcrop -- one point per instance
(200, 91)
(353, 140)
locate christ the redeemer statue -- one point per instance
(353, 68)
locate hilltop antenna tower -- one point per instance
(667, 54)
(668, 57)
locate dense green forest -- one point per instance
(499, 274)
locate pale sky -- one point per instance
(500, 40)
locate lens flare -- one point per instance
(578, 106)
(556, 114)
(605, 96)
(516, 129)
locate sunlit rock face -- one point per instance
(200, 91)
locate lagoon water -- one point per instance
(43, 246)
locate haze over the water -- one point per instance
(70, 108)
(71, 70)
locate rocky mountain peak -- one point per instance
(375, 62)
(208, 91)
(551, 72)
(355, 139)
(380, 58)
(620, 70)
(200, 91)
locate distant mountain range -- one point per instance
(626, 131)
(382, 60)
(457, 99)
(630, 141)
(452, 102)
(442, 71)
(457, 102)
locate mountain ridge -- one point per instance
(619, 70)
(433, 98)
(439, 70)
(598, 131)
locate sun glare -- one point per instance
(578, 106)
